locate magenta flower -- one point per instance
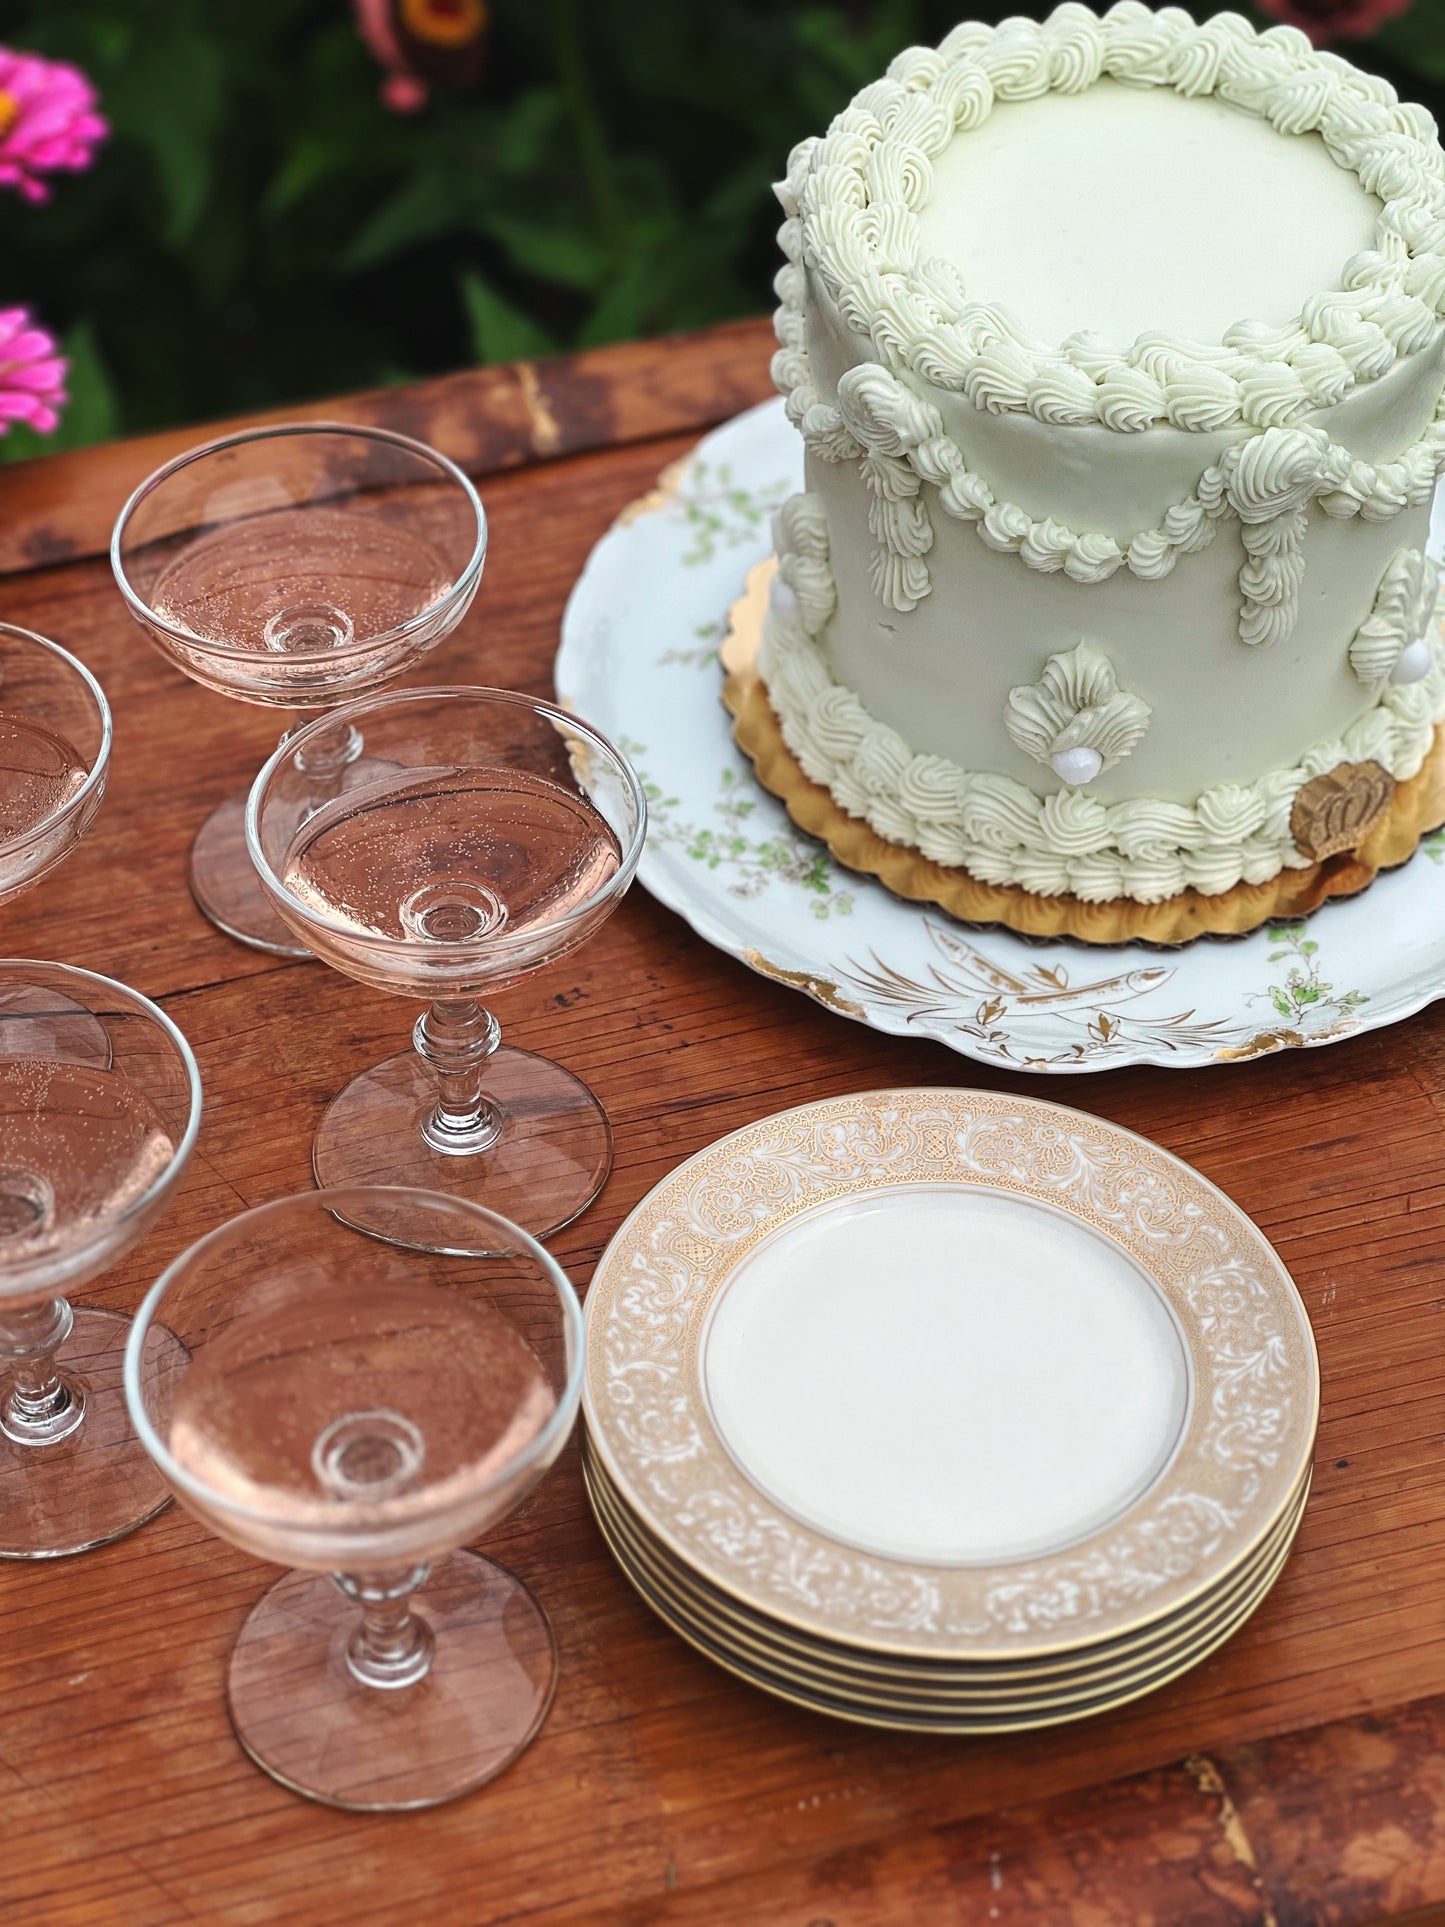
(48, 121)
(1327, 20)
(32, 375)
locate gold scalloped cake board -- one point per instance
(1417, 807)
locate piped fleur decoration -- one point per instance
(1075, 718)
(1393, 643)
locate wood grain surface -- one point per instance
(1297, 1776)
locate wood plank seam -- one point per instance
(1210, 1781)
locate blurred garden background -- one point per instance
(300, 197)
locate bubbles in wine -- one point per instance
(77, 1146)
(39, 774)
(452, 856)
(314, 1363)
(304, 581)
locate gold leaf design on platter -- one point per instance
(669, 486)
(1266, 1042)
(1336, 812)
(818, 988)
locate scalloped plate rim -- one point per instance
(585, 632)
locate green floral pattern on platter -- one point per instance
(639, 659)
(729, 845)
(721, 512)
(703, 655)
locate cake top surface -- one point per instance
(1123, 209)
(979, 282)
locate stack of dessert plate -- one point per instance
(947, 1409)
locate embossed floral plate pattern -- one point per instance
(941, 1710)
(639, 658)
(1237, 1458)
(1073, 1675)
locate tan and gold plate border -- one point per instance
(1247, 1441)
(1007, 1683)
(1418, 806)
(942, 1711)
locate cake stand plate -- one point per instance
(639, 658)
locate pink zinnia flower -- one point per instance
(1326, 20)
(32, 375)
(47, 121)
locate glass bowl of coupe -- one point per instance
(100, 1102)
(491, 834)
(54, 754)
(296, 567)
(356, 1394)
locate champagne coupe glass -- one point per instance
(295, 566)
(100, 1102)
(356, 1395)
(492, 835)
(54, 753)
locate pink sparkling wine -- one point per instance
(333, 1388)
(300, 581)
(39, 774)
(451, 856)
(77, 1146)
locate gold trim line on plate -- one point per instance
(945, 1711)
(1418, 806)
(911, 1719)
(1212, 1506)
(851, 1661)
(666, 490)
(818, 988)
(1002, 1685)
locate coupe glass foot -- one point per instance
(94, 1484)
(304, 1717)
(547, 1164)
(227, 889)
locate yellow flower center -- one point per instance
(9, 113)
(444, 23)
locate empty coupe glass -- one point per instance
(100, 1102)
(492, 835)
(54, 754)
(295, 566)
(357, 1397)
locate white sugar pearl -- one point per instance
(1413, 664)
(784, 602)
(1076, 766)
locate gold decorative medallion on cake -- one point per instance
(1103, 610)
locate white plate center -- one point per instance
(945, 1374)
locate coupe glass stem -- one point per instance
(39, 1405)
(455, 1037)
(326, 760)
(391, 1646)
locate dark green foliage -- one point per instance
(260, 229)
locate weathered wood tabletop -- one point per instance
(1299, 1775)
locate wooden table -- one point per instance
(1299, 1775)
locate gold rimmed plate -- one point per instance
(824, 1669)
(949, 1376)
(937, 1713)
(712, 1612)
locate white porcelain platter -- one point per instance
(955, 1376)
(639, 658)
